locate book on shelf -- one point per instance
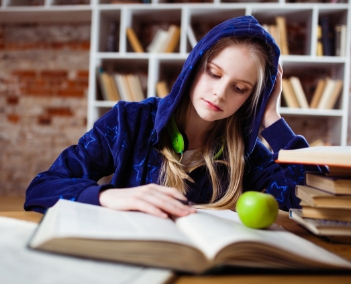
(111, 42)
(135, 87)
(134, 41)
(321, 227)
(274, 32)
(195, 243)
(165, 40)
(340, 40)
(106, 86)
(191, 36)
(289, 94)
(316, 97)
(162, 89)
(319, 51)
(129, 87)
(172, 39)
(327, 91)
(114, 90)
(299, 92)
(320, 198)
(333, 156)
(336, 214)
(283, 37)
(326, 36)
(330, 93)
(123, 88)
(332, 184)
(158, 42)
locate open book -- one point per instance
(195, 243)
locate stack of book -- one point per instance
(325, 197)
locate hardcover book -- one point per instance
(321, 227)
(334, 156)
(335, 185)
(319, 198)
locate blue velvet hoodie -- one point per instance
(124, 143)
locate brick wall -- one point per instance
(43, 97)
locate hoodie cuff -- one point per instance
(278, 135)
(90, 195)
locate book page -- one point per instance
(86, 221)
(212, 232)
(18, 264)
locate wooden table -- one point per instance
(344, 250)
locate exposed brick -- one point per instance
(24, 73)
(83, 74)
(39, 91)
(44, 120)
(12, 100)
(39, 82)
(71, 93)
(85, 45)
(83, 83)
(13, 118)
(61, 111)
(54, 73)
(71, 83)
(57, 45)
(42, 123)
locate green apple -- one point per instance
(257, 210)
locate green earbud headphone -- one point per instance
(179, 140)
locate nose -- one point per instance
(220, 90)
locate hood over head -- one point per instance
(245, 26)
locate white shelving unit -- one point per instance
(305, 64)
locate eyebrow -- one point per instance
(241, 80)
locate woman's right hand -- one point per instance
(153, 199)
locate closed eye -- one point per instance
(212, 74)
(239, 90)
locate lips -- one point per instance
(212, 106)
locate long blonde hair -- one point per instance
(228, 131)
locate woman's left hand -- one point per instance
(271, 113)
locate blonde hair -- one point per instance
(228, 131)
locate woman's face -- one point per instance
(224, 86)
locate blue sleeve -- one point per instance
(75, 173)
(263, 173)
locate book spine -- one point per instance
(326, 36)
(328, 90)
(173, 39)
(289, 94)
(281, 24)
(317, 93)
(300, 94)
(134, 41)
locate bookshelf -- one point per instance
(302, 20)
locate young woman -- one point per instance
(200, 143)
